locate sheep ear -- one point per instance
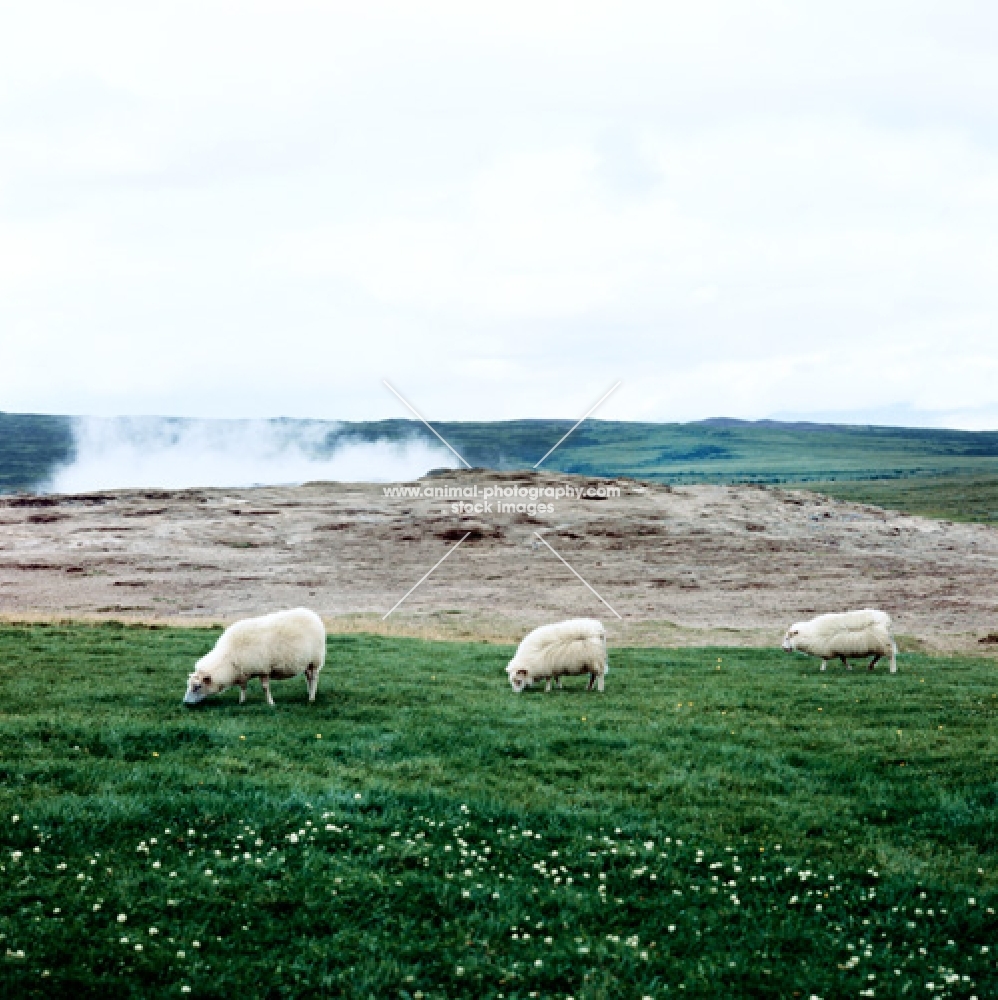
(206, 679)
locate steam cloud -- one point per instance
(166, 453)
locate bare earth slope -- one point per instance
(681, 565)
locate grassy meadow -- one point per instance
(721, 823)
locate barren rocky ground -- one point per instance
(680, 565)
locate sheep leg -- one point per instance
(823, 664)
(592, 682)
(599, 683)
(265, 681)
(873, 662)
(894, 655)
(845, 662)
(242, 692)
(547, 687)
(312, 679)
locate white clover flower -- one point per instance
(122, 917)
(181, 954)
(195, 944)
(138, 947)
(153, 931)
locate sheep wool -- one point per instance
(568, 648)
(277, 646)
(844, 635)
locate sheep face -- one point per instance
(790, 639)
(519, 678)
(201, 685)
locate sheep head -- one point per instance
(790, 639)
(200, 683)
(519, 677)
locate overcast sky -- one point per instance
(740, 209)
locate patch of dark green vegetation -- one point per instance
(950, 497)
(722, 822)
(32, 446)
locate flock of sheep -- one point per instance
(288, 643)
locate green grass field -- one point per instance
(951, 497)
(721, 823)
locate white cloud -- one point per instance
(264, 210)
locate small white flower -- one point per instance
(195, 944)
(181, 954)
(122, 917)
(138, 947)
(153, 931)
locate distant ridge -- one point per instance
(717, 450)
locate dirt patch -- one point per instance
(680, 565)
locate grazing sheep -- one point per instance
(853, 633)
(551, 652)
(281, 645)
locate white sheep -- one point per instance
(852, 633)
(279, 646)
(577, 646)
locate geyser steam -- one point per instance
(169, 453)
